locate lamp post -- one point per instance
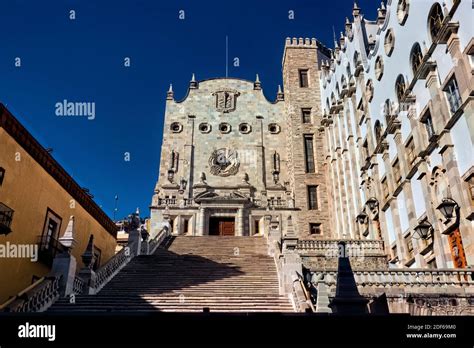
(447, 207)
(424, 230)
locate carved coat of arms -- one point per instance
(226, 100)
(224, 162)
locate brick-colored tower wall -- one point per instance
(304, 54)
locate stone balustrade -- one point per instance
(408, 278)
(330, 247)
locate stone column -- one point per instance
(239, 231)
(200, 225)
(438, 247)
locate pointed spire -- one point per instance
(280, 95)
(381, 13)
(170, 94)
(68, 237)
(257, 85)
(193, 83)
(356, 10)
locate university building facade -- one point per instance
(369, 141)
(398, 114)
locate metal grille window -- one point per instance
(454, 97)
(309, 153)
(6, 217)
(312, 197)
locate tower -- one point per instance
(305, 139)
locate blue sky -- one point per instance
(82, 60)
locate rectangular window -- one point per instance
(409, 244)
(52, 224)
(385, 187)
(312, 197)
(410, 150)
(304, 78)
(306, 115)
(315, 228)
(453, 95)
(309, 153)
(397, 176)
(6, 217)
(432, 264)
(428, 121)
(2, 175)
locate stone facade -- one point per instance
(398, 112)
(230, 154)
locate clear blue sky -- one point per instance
(82, 60)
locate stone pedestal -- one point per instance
(65, 264)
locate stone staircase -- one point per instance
(190, 274)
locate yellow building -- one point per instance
(37, 199)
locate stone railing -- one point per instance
(407, 278)
(78, 285)
(301, 300)
(331, 247)
(154, 243)
(113, 266)
(35, 298)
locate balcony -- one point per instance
(6, 217)
(48, 249)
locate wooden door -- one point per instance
(226, 227)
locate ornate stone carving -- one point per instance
(226, 100)
(224, 162)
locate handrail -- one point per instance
(35, 298)
(113, 266)
(21, 293)
(158, 239)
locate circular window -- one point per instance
(274, 128)
(204, 127)
(176, 127)
(224, 128)
(245, 128)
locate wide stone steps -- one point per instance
(222, 274)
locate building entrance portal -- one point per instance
(222, 226)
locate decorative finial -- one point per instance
(170, 94)
(280, 95)
(68, 237)
(193, 84)
(257, 85)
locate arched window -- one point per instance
(416, 57)
(369, 90)
(400, 87)
(435, 20)
(343, 82)
(356, 58)
(378, 131)
(333, 99)
(387, 110)
(389, 42)
(379, 67)
(402, 11)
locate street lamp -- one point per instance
(372, 203)
(424, 230)
(447, 207)
(362, 218)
